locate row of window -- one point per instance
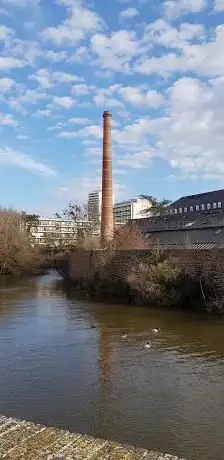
(197, 208)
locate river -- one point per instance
(63, 363)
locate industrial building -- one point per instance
(200, 203)
(195, 231)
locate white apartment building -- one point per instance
(94, 206)
(130, 209)
(56, 231)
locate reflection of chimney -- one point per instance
(107, 221)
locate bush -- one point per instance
(16, 252)
(129, 237)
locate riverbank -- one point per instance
(189, 279)
(25, 440)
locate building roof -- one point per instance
(199, 199)
(205, 238)
(180, 221)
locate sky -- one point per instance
(157, 65)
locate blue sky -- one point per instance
(157, 65)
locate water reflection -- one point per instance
(57, 369)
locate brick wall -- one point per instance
(83, 264)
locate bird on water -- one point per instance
(124, 336)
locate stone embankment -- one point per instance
(27, 441)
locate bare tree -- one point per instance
(74, 211)
(85, 231)
(31, 221)
(16, 253)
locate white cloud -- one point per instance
(7, 119)
(42, 113)
(94, 151)
(63, 77)
(129, 13)
(27, 50)
(11, 157)
(115, 52)
(137, 160)
(162, 33)
(189, 135)
(21, 3)
(219, 5)
(5, 33)
(80, 54)
(7, 63)
(80, 22)
(6, 84)
(55, 56)
(48, 79)
(65, 102)
(137, 96)
(205, 59)
(105, 101)
(94, 131)
(175, 8)
(43, 77)
(67, 134)
(82, 186)
(79, 121)
(82, 89)
(26, 97)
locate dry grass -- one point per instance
(129, 237)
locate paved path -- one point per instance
(21, 440)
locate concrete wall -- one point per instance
(83, 264)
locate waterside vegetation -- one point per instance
(156, 278)
(17, 255)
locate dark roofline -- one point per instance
(197, 195)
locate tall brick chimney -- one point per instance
(107, 220)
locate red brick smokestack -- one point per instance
(107, 220)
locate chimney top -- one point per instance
(106, 114)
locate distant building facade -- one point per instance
(130, 209)
(54, 232)
(209, 202)
(94, 206)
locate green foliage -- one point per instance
(156, 207)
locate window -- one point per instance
(185, 209)
(180, 210)
(171, 212)
(191, 209)
(208, 206)
(175, 211)
(214, 205)
(219, 204)
(202, 207)
(197, 208)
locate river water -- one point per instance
(63, 363)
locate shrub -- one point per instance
(16, 253)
